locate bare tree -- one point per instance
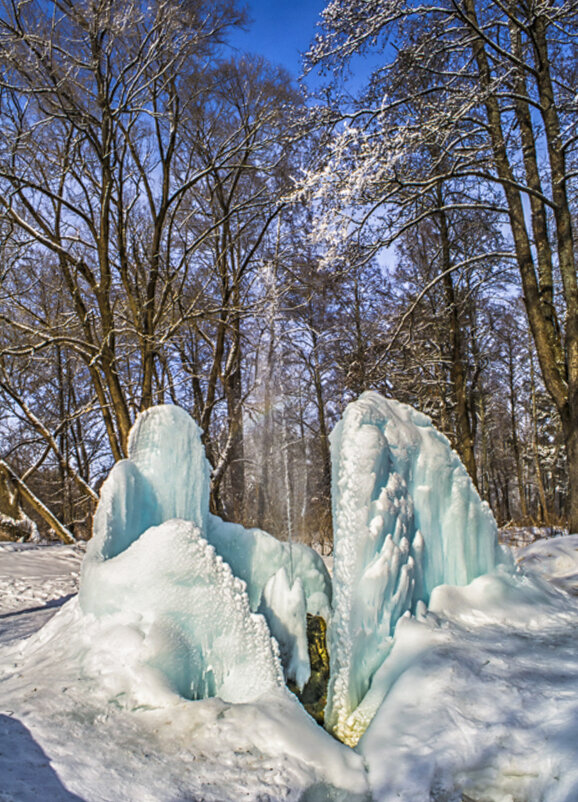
(238, 141)
(93, 98)
(481, 93)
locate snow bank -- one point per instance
(555, 558)
(113, 727)
(482, 698)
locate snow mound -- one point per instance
(556, 559)
(89, 698)
(482, 698)
(407, 518)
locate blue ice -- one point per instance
(406, 518)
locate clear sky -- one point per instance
(281, 30)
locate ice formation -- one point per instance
(284, 607)
(255, 556)
(183, 616)
(165, 476)
(155, 503)
(407, 518)
(285, 581)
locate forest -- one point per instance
(184, 223)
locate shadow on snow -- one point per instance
(25, 771)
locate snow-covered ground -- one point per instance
(64, 736)
(34, 581)
(483, 705)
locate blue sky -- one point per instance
(281, 30)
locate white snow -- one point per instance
(483, 698)
(483, 701)
(556, 558)
(34, 581)
(74, 729)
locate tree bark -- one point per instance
(465, 440)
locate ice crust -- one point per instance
(156, 549)
(407, 518)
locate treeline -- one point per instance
(180, 225)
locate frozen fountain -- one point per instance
(196, 581)
(221, 610)
(407, 518)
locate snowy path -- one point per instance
(34, 582)
(485, 704)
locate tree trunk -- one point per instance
(535, 452)
(234, 393)
(465, 440)
(558, 360)
(11, 477)
(326, 522)
(514, 429)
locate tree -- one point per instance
(238, 141)
(93, 96)
(479, 94)
(140, 171)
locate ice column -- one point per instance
(406, 519)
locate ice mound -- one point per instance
(255, 557)
(166, 479)
(182, 615)
(407, 518)
(285, 581)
